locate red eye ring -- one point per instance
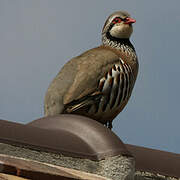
(116, 20)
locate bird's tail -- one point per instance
(84, 102)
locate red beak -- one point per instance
(130, 21)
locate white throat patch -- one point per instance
(121, 31)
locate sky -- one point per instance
(37, 37)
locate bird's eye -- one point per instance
(116, 20)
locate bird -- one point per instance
(99, 82)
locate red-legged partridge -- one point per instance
(99, 82)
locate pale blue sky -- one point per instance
(38, 36)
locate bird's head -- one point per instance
(119, 25)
